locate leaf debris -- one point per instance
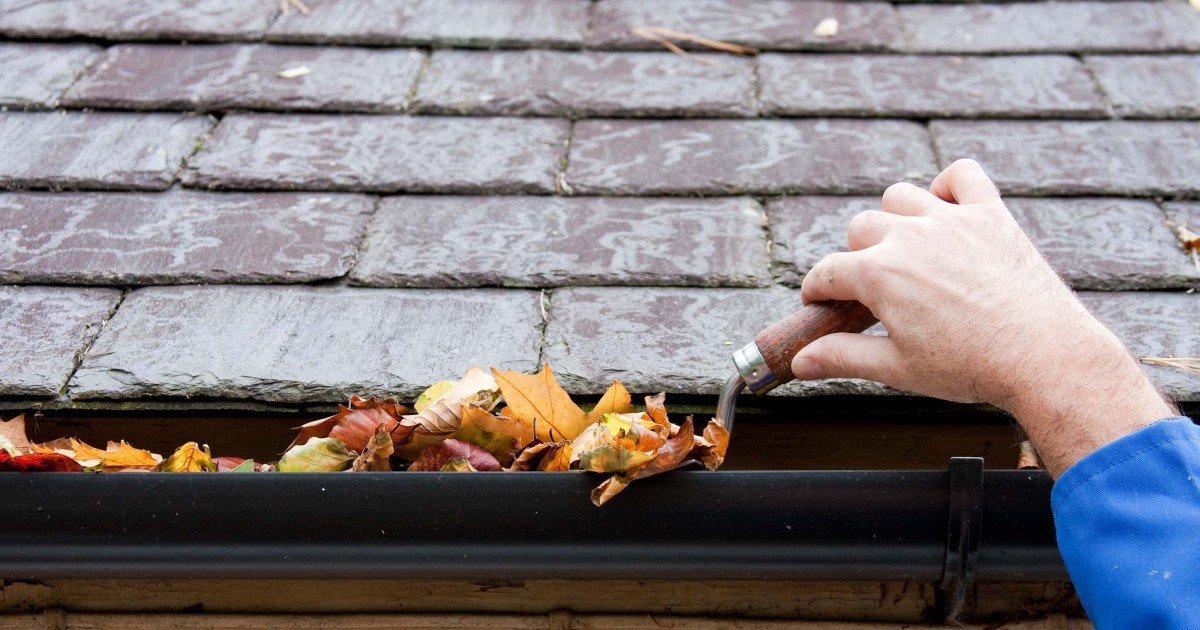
(665, 36)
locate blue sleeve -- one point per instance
(1128, 520)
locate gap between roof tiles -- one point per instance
(78, 357)
(545, 304)
(1110, 110)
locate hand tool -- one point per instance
(766, 363)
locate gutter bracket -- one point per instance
(962, 536)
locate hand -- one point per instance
(975, 314)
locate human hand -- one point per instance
(975, 314)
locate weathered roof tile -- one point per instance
(1138, 158)
(178, 237)
(246, 76)
(1094, 243)
(558, 83)
(302, 344)
(751, 156)
(764, 24)
(33, 76)
(896, 85)
(203, 20)
(41, 330)
(1151, 86)
(555, 241)
(380, 153)
(474, 23)
(98, 150)
(1052, 27)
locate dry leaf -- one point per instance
(711, 448)
(539, 397)
(317, 455)
(436, 456)
(675, 453)
(615, 400)
(656, 408)
(443, 415)
(37, 462)
(827, 28)
(188, 458)
(500, 436)
(458, 464)
(121, 455)
(13, 433)
(619, 443)
(376, 456)
(355, 425)
(546, 456)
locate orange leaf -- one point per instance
(656, 408)
(615, 400)
(121, 455)
(355, 425)
(539, 397)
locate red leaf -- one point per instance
(38, 462)
(435, 456)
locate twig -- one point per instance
(286, 5)
(665, 35)
(1189, 364)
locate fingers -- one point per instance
(965, 182)
(908, 200)
(849, 355)
(834, 278)
(868, 228)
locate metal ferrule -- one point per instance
(753, 369)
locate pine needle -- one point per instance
(286, 5)
(1188, 364)
(665, 36)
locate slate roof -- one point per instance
(443, 183)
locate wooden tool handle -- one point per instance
(780, 342)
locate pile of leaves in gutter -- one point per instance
(502, 421)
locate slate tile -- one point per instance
(1076, 157)
(1094, 243)
(33, 76)
(459, 23)
(42, 329)
(304, 344)
(678, 340)
(553, 241)
(1187, 214)
(1158, 86)
(1052, 27)
(380, 153)
(1155, 325)
(199, 20)
(101, 150)
(245, 76)
(927, 86)
(746, 156)
(763, 24)
(178, 237)
(558, 83)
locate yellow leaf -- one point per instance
(539, 397)
(500, 436)
(615, 400)
(443, 414)
(188, 458)
(117, 455)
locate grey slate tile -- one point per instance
(1052, 27)
(100, 150)
(33, 76)
(246, 76)
(554, 241)
(201, 20)
(763, 24)
(470, 23)
(1150, 86)
(746, 156)
(42, 329)
(1094, 243)
(1155, 325)
(678, 340)
(1186, 214)
(178, 237)
(927, 86)
(380, 153)
(559, 83)
(303, 344)
(1076, 157)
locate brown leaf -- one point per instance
(188, 458)
(500, 436)
(121, 455)
(355, 425)
(458, 464)
(443, 415)
(615, 400)
(435, 456)
(671, 455)
(539, 397)
(537, 454)
(656, 408)
(710, 450)
(376, 456)
(13, 431)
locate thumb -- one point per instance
(849, 355)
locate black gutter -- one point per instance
(843, 525)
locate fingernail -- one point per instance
(806, 369)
